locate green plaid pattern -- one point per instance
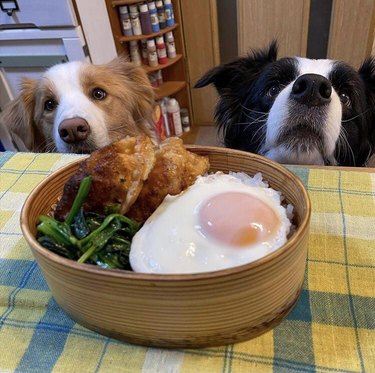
(331, 329)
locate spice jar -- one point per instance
(171, 47)
(135, 55)
(145, 19)
(135, 21)
(125, 21)
(152, 54)
(161, 50)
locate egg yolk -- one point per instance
(238, 219)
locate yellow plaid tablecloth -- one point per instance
(331, 329)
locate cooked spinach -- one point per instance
(103, 240)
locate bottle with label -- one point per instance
(164, 113)
(169, 14)
(161, 14)
(162, 50)
(125, 21)
(174, 117)
(144, 51)
(135, 55)
(185, 120)
(145, 18)
(171, 46)
(152, 54)
(159, 77)
(154, 16)
(153, 80)
(135, 21)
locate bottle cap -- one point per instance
(159, 40)
(133, 8)
(151, 5)
(123, 9)
(133, 43)
(169, 36)
(167, 2)
(143, 8)
(151, 42)
(172, 102)
(159, 3)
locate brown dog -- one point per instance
(78, 107)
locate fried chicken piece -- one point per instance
(175, 170)
(118, 172)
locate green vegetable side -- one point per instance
(103, 240)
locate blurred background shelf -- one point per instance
(175, 75)
(169, 88)
(116, 3)
(126, 39)
(171, 61)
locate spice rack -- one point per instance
(174, 71)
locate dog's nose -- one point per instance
(312, 90)
(74, 130)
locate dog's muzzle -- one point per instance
(312, 90)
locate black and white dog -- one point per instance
(296, 110)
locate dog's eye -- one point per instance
(98, 93)
(50, 105)
(274, 91)
(345, 99)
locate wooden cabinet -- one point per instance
(174, 71)
(352, 30)
(260, 21)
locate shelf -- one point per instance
(169, 88)
(171, 61)
(124, 39)
(124, 2)
(174, 71)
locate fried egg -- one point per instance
(221, 221)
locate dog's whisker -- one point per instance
(259, 136)
(255, 121)
(50, 147)
(338, 148)
(368, 155)
(42, 146)
(346, 145)
(261, 141)
(258, 131)
(341, 149)
(356, 116)
(262, 117)
(253, 111)
(248, 125)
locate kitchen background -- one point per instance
(37, 34)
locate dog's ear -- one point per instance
(17, 119)
(367, 72)
(141, 87)
(142, 92)
(242, 70)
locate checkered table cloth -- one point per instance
(331, 329)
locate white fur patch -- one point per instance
(283, 155)
(310, 66)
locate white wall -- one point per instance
(97, 30)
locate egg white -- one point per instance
(170, 241)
